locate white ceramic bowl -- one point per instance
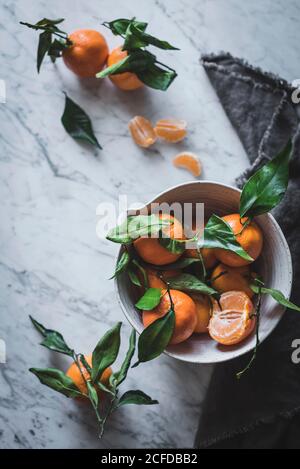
(275, 266)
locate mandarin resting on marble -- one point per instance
(126, 81)
(87, 54)
(76, 375)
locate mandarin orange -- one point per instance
(185, 314)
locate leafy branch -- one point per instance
(258, 287)
(103, 356)
(138, 60)
(48, 45)
(257, 343)
(155, 338)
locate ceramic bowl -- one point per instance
(274, 265)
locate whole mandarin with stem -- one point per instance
(225, 278)
(158, 279)
(79, 376)
(185, 314)
(248, 235)
(207, 254)
(150, 249)
(127, 81)
(87, 54)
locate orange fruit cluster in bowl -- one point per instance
(229, 319)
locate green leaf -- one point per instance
(266, 188)
(156, 77)
(44, 45)
(50, 23)
(45, 24)
(190, 283)
(134, 278)
(122, 264)
(144, 64)
(89, 369)
(53, 340)
(218, 234)
(56, 380)
(143, 272)
(150, 299)
(137, 226)
(119, 27)
(92, 393)
(56, 48)
(85, 363)
(136, 38)
(155, 338)
(119, 376)
(173, 245)
(106, 352)
(135, 397)
(77, 123)
(135, 62)
(277, 295)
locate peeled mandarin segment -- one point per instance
(142, 131)
(171, 130)
(232, 320)
(188, 161)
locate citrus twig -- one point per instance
(108, 413)
(202, 262)
(254, 355)
(76, 360)
(213, 279)
(245, 224)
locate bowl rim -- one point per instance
(289, 283)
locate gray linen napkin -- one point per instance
(262, 410)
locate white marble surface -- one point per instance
(51, 263)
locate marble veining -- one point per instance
(52, 265)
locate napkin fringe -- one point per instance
(278, 84)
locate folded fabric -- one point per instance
(262, 409)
